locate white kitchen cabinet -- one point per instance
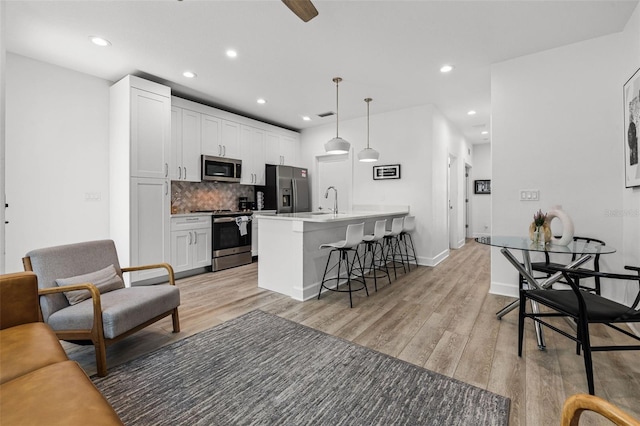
(252, 151)
(230, 139)
(149, 136)
(150, 203)
(190, 242)
(185, 145)
(211, 133)
(139, 186)
(220, 137)
(281, 149)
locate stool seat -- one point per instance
(355, 234)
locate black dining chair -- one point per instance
(584, 308)
(549, 268)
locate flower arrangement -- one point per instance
(539, 218)
(539, 231)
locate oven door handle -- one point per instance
(224, 219)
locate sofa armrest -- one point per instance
(18, 299)
(166, 266)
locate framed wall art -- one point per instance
(386, 172)
(482, 186)
(631, 96)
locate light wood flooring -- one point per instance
(441, 318)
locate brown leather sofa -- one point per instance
(38, 383)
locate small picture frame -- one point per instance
(482, 186)
(631, 96)
(391, 171)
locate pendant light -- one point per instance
(337, 145)
(368, 155)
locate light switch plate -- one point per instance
(529, 194)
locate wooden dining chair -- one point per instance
(584, 308)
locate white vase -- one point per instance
(567, 225)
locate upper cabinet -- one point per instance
(252, 148)
(185, 145)
(223, 134)
(281, 149)
(220, 137)
(150, 134)
(211, 131)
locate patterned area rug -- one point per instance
(260, 369)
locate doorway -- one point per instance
(452, 178)
(336, 171)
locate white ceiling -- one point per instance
(390, 51)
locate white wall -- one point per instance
(481, 203)
(2, 134)
(419, 139)
(557, 127)
(57, 128)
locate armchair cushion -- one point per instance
(122, 309)
(105, 280)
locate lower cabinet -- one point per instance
(190, 242)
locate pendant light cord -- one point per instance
(337, 80)
(367, 100)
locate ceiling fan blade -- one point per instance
(303, 8)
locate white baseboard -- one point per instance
(433, 261)
(503, 289)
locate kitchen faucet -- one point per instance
(335, 198)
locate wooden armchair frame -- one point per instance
(575, 405)
(96, 333)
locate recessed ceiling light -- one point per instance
(446, 68)
(189, 74)
(472, 112)
(484, 132)
(99, 41)
(306, 118)
(261, 101)
(232, 53)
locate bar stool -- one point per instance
(408, 226)
(373, 245)
(355, 234)
(393, 246)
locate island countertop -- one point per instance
(329, 216)
(291, 261)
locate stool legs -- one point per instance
(377, 261)
(407, 243)
(343, 257)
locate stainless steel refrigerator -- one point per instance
(286, 189)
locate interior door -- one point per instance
(336, 171)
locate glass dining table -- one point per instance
(580, 250)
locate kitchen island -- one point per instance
(290, 260)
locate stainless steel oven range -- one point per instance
(231, 240)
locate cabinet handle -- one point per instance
(224, 150)
(185, 173)
(179, 172)
(166, 169)
(220, 150)
(166, 188)
(195, 237)
(189, 237)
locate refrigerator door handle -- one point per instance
(294, 195)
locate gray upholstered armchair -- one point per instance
(83, 297)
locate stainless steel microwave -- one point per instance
(221, 169)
